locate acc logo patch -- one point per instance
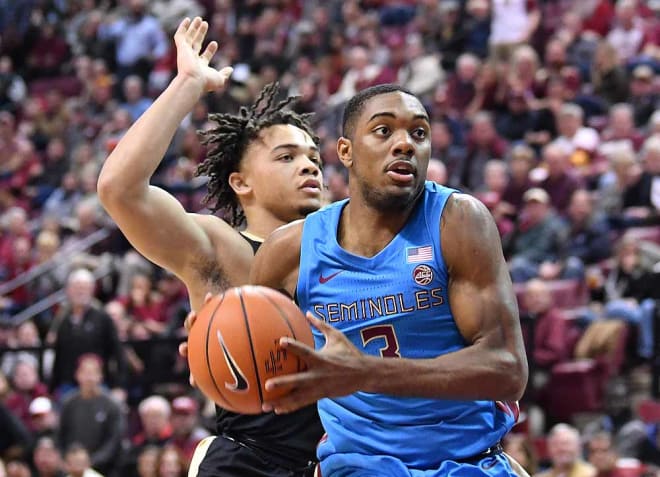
(423, 274)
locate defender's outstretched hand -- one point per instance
(335, 370)
(189, 38)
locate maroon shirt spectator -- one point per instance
(560, 182)
(461, 88)
(621, 126)
(553, 339)
(26, 387)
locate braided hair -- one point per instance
(229, 139)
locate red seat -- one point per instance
(649, 411)
(579, 386)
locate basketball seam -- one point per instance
(286, 320)
(208, 359)
(254, 359)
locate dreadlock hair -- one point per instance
(230, 138)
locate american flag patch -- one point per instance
(419, 254)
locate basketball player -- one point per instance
(404, 269)
(264, 169)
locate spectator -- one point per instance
(603, 456)
(552, 339)
(627, 36)
(561, 182)
(608, 76)
(82, 327)
(521, 161)
(518, 446)
(436, 172)
(535, 237)
(15, 437)
(136, 102)
(170, 463)
(186, 432)
(47, 459)
(484, 144)
(621, 126)
(513, 22)
(12, 87)
(44, 420)
(579, 142)
(140, 40)
(77, 462)
(643, 96)
(91, 417)
(26, 387)
(565, 452)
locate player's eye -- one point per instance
(419, 133)
(382, 130)
(286, 158)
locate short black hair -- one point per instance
(230, 138)
(355, 105)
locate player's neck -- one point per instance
(260, 223)
(365, 231)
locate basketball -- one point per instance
(233, 346)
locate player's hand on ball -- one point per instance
(192, 64)
(190, 320)
(334, 370)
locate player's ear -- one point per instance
(345, 151)
(239, 183)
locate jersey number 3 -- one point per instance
(385, 332)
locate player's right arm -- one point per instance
(153, 221)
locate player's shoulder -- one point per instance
(465, 209)
(219, 231)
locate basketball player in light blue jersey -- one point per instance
(404, 269)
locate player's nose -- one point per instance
(404, 145)
(310, 167)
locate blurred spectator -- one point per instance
(477, 27)
(643, 95)
(521, 161)
(461, 86)
(186, 431)
(140, 40)
(362, 73)
(641, 200)
(627, 36)
(15, 437)
(18, 468)
(444, 148)
(579, 141)
(561, 181)
(535, 238)
(521, 449)
(47, 459)
(90, 416)
(450, 34)
(77, 462)
(607, 75)
(48, 53)
(484, 144)
(83, 327)
(513, 22)
(621, 126)
(603, 456)
(12, 87)
(26, 336)
(145, 305)
(552, 339)
(436, 172)
(43, 418)
(171, 463)
(154, 413)
(147, 462)
(26, 387)
(136, 102)
(15, 225)
(422, 70)
(565, 452)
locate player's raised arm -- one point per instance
(154, 221)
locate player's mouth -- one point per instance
(401, 171)
(311, 186)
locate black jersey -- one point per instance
(288, 439)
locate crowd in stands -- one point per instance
(546, 110)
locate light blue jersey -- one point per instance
(394, 304)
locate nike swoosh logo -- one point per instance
(323, 279)
(240, 384)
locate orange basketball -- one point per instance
(233, 346)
